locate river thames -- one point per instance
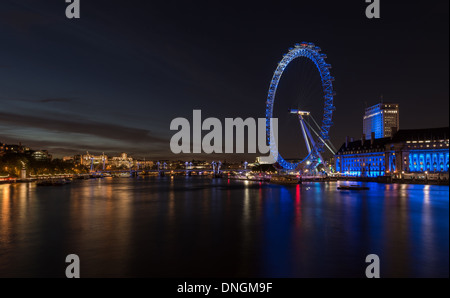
(199, 227)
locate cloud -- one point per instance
(86, 126)
(55, 99)
(40, 100)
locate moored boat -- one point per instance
(122, 175)
(285, 180)
(53, 182)
(352, 187)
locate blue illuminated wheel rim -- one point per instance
(312, 52)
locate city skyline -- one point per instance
(113, 80)
(222, 147)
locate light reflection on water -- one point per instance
(195, 227)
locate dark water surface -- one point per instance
(198, 227)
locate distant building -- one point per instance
(68, 159)
(77, 159)
(201, 164)
(12, 148)
(88, 159)
(41, 155)
(382, 119)
(164, 164)
(408, 151)
(2, 149)
(122, 161)
(144, 164)
(5, 148)
(260, 160)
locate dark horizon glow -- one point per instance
(113, 80)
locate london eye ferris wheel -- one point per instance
(315, 135)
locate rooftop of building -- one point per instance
(364, 145)
(403, 135)
(384, 103)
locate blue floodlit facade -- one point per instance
(436, 161)
(409, 151)
(382, 119)
(423, 151)
(362, 158)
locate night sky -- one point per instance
(113, 80)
